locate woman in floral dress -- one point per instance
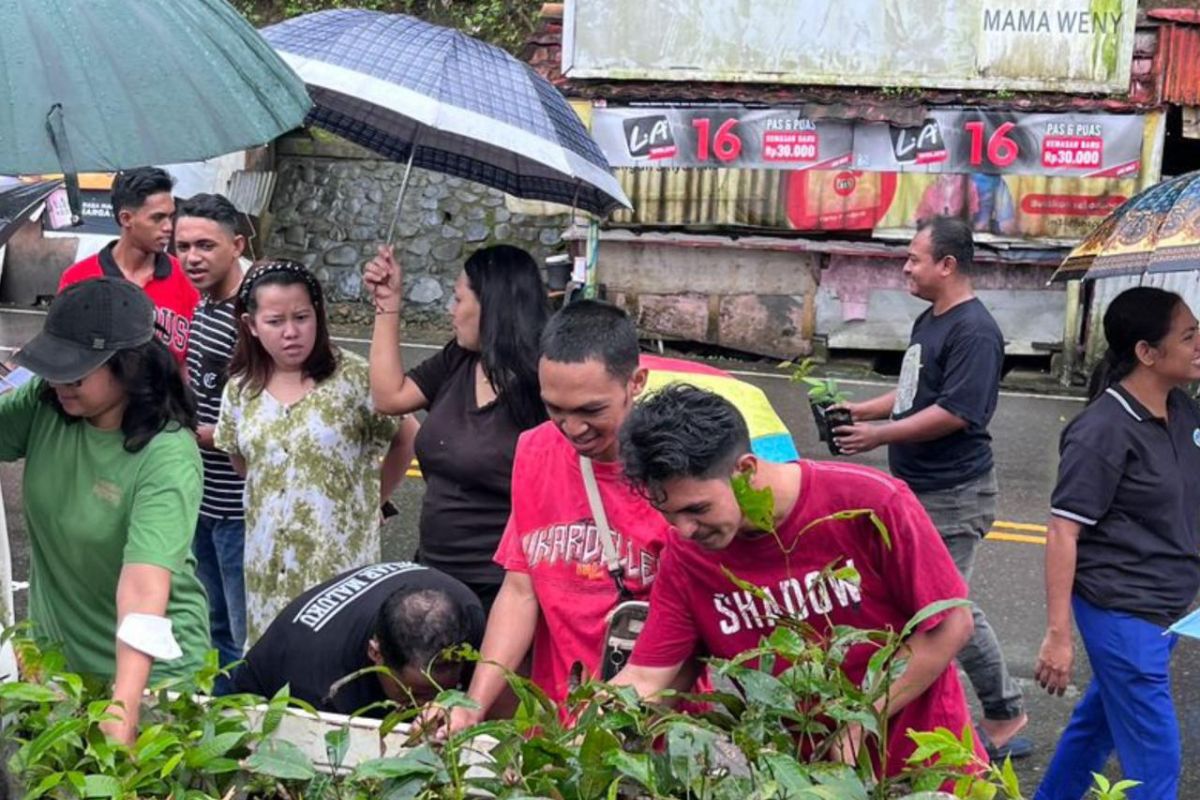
(297, 421)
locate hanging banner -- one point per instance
(1076, 46)
(720, 137)
(949, 141)
(1004, 206)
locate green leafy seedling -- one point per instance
(757, 505)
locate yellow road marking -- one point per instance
(1001, 536)
(1020, 526)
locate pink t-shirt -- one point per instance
(694, 606)
(552, 537)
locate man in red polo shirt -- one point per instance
(145, 210)
(682, 446)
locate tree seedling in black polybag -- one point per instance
(823, 394)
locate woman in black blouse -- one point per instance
(1123, 549)
(481, 392)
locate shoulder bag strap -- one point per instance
(608, 546)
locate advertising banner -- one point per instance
(1004, 206)
(949, 141)
(1077, 46)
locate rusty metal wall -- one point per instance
(704, 197)
(1179, 63)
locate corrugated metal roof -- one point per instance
(1178, 62)
(544, 53)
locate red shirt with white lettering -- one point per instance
(695, 606)
(552, 537)
(173, 295)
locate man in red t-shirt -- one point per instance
(145, 210)
(557, 593)
(682, 446)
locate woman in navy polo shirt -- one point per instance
(1123, 550)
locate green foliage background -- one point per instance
(505, 23)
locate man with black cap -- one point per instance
(111, 492)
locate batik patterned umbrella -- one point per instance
(438, 99)
(1157, 230)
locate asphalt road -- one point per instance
(1008, 575)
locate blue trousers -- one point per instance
(219, 546)
(1128, 707)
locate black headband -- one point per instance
(272, 267)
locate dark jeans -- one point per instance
(963, 515)
(219, 546)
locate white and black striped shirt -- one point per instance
(213, 335)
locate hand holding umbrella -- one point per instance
(386, 279)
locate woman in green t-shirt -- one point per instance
(111, 491)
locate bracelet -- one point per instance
(380, 312)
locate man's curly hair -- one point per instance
(681, 431)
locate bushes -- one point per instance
(762, 737)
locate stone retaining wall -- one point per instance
(332, 207)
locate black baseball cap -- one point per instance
(88, 323)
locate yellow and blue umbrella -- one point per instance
(769, 437)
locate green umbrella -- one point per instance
(104, 85)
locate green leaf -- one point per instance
(44, 785)
(153, 743)
(420, 761)
(275, 710)
(762, 689)
(636, 766)
(1008, 778)
(172, 764)
(597, 775)
(68, 730)
(279, 759)
(787, 772)
(206, 750)
(757, 505)
(453, 698)
(27, 693)
(932, 610)
(101, 786)
(337, 742)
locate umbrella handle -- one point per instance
(58, 139)
(412, 152)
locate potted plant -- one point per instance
(823, 395)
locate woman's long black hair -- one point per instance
(1141, 314)
(158, 399)
(512, 313)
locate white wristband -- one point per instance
(150, 634)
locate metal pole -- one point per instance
(8, 661)
(412, 151)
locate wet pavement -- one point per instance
(1008, 581)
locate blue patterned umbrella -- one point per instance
(1155, 231)
(441, 100)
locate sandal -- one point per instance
(1016, 747)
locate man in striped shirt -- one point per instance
(209, 248)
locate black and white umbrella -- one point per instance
(434, 97)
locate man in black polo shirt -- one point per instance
(396, 614)
(938, 441)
